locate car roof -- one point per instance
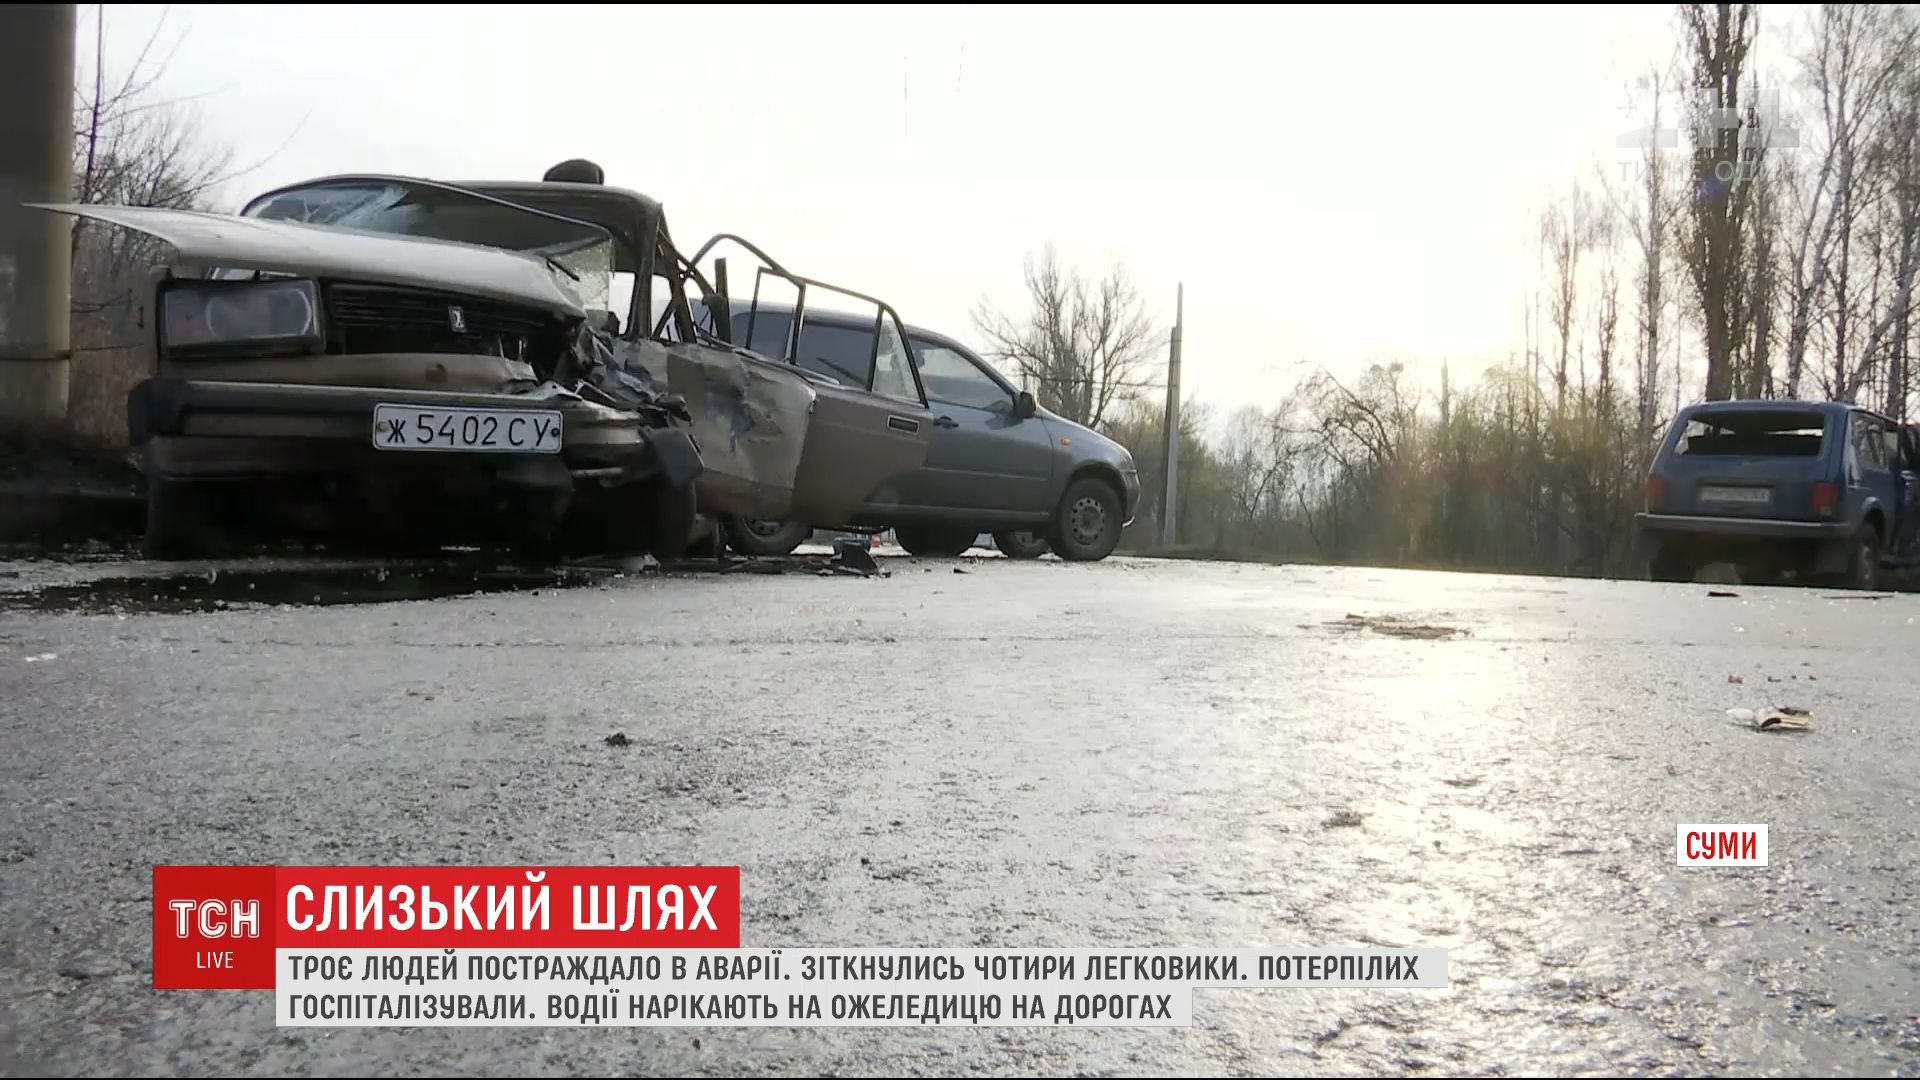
(850, 321)
(1781, 405)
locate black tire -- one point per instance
(671, 523)
(751, 536)
(1863, 560)
(1086, 525)
(935, 541)
(651, 517)
(1668, 565)
(180, 521)
(1020, 544)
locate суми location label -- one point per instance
(1720, 845)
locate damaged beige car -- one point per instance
(405, 361)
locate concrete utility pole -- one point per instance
(36, 165)
(1170, 502)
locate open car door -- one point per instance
(870, 429)
(865, 445)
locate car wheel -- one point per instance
(1020, 544)
(753, 536)
(935, 541)
(1086, 525)
(1668, 565)
(1863, 560)
(179, 521)
(674, 510)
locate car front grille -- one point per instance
(381, 318)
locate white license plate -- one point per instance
(1749, 495)
(487, 431)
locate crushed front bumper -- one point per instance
(215, 430)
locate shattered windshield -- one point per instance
(580, 255)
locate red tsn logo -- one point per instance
(213, 927)
(1720, 845)
(217, 918)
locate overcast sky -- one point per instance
(1332, 185)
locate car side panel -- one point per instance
(860, 451)
(987, 461)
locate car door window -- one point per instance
(841, 353)
(1869, 443)
(892, 371)
(951, 377)
(766, 329)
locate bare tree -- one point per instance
(1712, 234)
(1888, 216)
(1568, 230)
(1645, 214)
(1857, 56)
(1903, 221)
(1758, 288)
(132, 146)
(1606, 336)
(1081, 345)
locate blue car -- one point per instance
(1818, 490)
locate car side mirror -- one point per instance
(1024, 405)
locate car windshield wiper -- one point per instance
(560, 266)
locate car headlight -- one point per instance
(240, 316)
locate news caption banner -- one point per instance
(655, 947)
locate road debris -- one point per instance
(1785, 718)
(1782, 718)
(293, 582)
(1721, 592)
(618, 738)
(1735, 679)
(854, 556)
(1345, 819)
(37, 657)
(1396, 626)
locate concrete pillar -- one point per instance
(36, 165)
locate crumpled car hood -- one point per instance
(226, 240)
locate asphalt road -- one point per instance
(1126, 754)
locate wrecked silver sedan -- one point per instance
(396, 369)
(402, 360)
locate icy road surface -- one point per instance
(1027, 754)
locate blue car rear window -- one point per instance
(1754, 433)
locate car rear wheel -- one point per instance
(1086, 525)
(1020, 544)
(753, 536)
(935, 541)
(1863, 560)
